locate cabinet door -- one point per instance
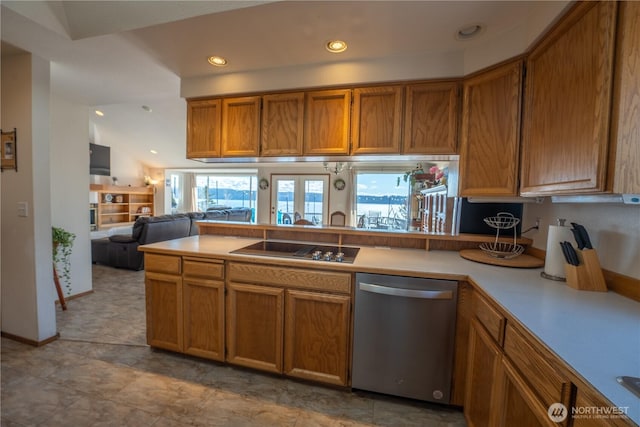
(327, 121)
(483, 363)
(164, 310)
(203, 128)
(586, 400)
(431, 118)
(282, 124)
(490, 137)
(567, 104)
(377, 120)
(204, 318)
(517, 404)
(241, 126)
(625, 125)
(317, 336)
(255, 326)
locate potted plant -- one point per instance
(413, 175)
(62, 241)
(434, 177)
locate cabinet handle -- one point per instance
(401, 292)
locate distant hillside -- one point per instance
(222, 194)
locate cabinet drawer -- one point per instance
(489, 317)
(549, 384)
(203, 268)
(168, 264)
(290, 277)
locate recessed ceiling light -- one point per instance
(153, 151)
(99, 113)
(218, 61)
(147, 108)
(336, 46)
(469, 31)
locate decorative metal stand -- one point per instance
(502, 221)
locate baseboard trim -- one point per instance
(72, 297)
(28, 341)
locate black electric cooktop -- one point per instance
(310, 251)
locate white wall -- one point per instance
(28, 292)
(125, 167)
(516, 40)
(70, 184)
(428, 66)
(614, 230)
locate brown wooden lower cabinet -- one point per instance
(512, 379)
(164, 310)
(255, 317)
(185, 305)
(516, 403)
(204, 318)
(587, 405)
(298, 322)
(484, 358)
(317, 336)
(279, 321)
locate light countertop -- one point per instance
(596, 333)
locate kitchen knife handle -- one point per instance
(572, 254)
(583, 235)
(578, 236)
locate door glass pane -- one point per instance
(314, 200)
(285, 196)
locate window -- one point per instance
(216, 190)
(381, 200)
(176, 193)
(303, 196)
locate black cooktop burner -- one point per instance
(309, 251)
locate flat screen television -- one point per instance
(99, 160)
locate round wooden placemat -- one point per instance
(521, 261)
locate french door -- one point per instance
(299, 197)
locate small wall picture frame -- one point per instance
(8, 150)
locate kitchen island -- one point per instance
(596, 336)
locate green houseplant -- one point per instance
(62, 241)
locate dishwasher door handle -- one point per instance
(401, 292)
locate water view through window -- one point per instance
(228, 191)
(381, 200)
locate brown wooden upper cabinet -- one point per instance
(567, 104)
(241, 126)
(203, 128)
(377, 120)
(490, 136)
(431, 118)
(327, 122)
(624, 153)
(282, 124)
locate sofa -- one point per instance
(121, 250)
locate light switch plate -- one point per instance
(23, 209)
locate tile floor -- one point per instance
(101, 373)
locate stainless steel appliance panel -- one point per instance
(404, 330)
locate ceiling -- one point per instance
(120, 55)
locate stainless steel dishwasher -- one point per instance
(403, 338)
